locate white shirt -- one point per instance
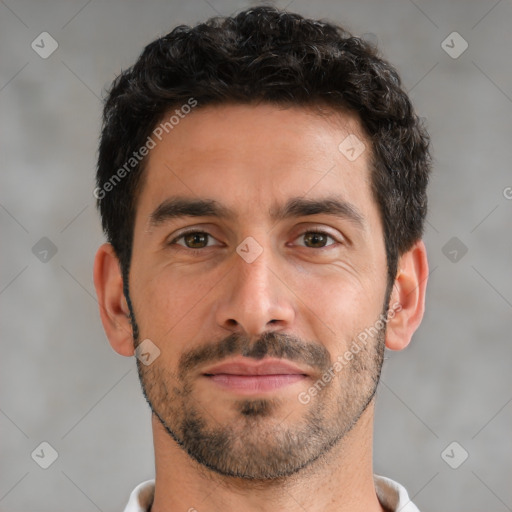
(391, 495)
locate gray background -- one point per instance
(60, 380)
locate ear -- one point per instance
(407, 302)
(114, 311)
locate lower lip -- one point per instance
(254, 383)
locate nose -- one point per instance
(254, 298)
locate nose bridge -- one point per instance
(254, 296)
(253, 278)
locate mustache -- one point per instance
(269, 344)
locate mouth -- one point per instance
(245, 376)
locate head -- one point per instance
(262, 185)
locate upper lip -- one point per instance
(245, 366)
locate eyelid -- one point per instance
(189, 231)
(321, 232)
(308, 227)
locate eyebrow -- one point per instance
(179, 207)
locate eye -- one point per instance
(316, 239)
(194, 240)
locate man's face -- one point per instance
(252, 310)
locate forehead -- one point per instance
(243, 156)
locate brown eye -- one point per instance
(316, 239)
(194, 240)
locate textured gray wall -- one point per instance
(60, 381)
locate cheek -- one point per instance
(340, 306)
(171, 300)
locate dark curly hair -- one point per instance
(267, 55)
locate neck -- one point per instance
(341, 480)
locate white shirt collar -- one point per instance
(390, 493)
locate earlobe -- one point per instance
(407, 302)
(114, 311)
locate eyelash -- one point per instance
(196, 251)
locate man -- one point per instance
(262, 185)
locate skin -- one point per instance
(249, 158)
